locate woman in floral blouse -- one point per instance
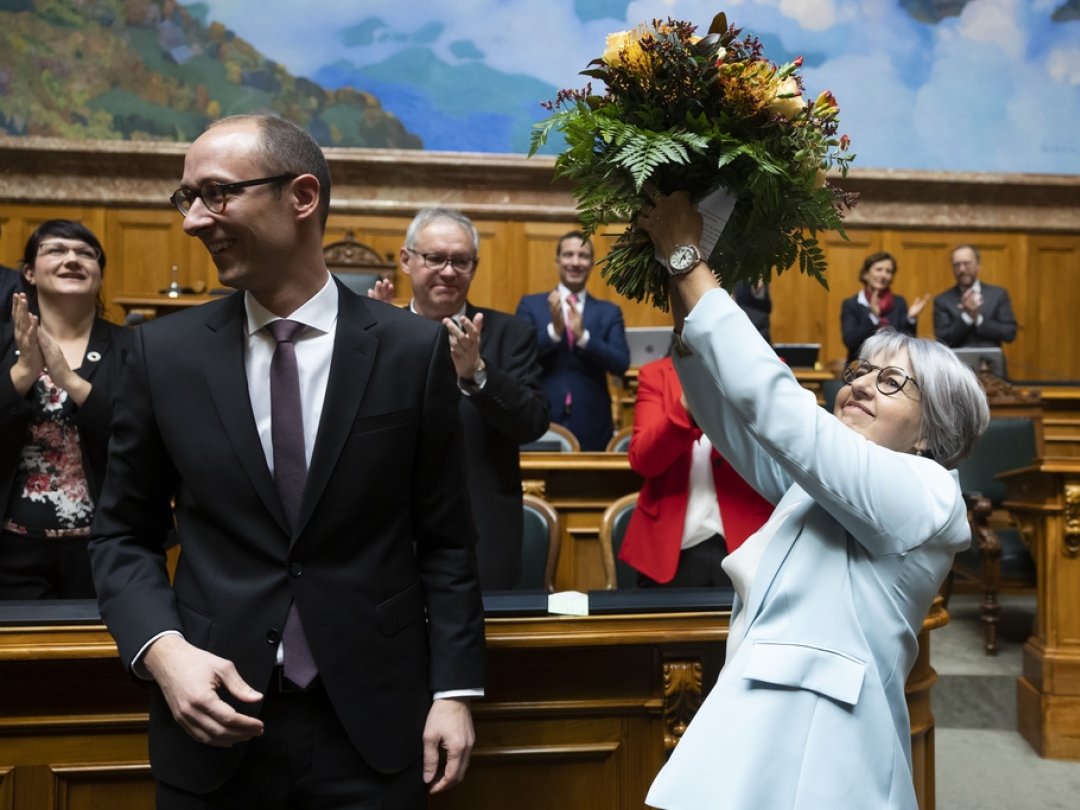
(61, 367)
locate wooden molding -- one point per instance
(682, 698)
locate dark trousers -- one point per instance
(44, 567)
(699, 567)
(304, 761)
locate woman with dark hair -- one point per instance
(876, 306)
(61, 366)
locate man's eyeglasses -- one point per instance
(57, 252)
(214, 195)
(437, 261)
(890, 379)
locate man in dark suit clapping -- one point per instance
(972, 313)
(325, 629)
(498, 373)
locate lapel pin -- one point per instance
(93, 357)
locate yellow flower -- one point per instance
(826, 105)
(787, 100)
(623, 49)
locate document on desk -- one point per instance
(569, 603)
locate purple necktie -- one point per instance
(290, 472)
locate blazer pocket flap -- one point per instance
(401, 609)
(831, 673)
(381, 421)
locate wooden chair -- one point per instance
(539, 545)
(620, 442)
(556, 439)
(997, 556)
(613, 523)
(356, 265)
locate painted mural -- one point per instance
(955, 85)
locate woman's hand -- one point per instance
(31, 362)
(917, 306)
(59, 369)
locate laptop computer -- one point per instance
(647, 343)
(975, 356)
(798, 355)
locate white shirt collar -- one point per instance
(319, 312)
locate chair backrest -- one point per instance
(556, 439)
(1009, 443)
(829, 390)
(539, 545)
(357, 265)
(620, 442)
(613, 523)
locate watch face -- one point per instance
(683, 257)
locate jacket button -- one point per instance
(273, 636)
(296, 569)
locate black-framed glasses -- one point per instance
(58, 251)
(214, 195)
(437, 261)
(890, 379)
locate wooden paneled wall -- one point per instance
(1026, 227)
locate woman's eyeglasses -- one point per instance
(890, 379)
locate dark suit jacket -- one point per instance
(380, 563)
(998, 326)
(583, 371)
(111, 344)
(661, 450)
(510, 410)
(856, 326)
(11, 282)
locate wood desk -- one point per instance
(151, 306)
(580, 713)
(1044, 500)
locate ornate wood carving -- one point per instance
(534, 486)
(1071, 543)
(999, 392)
(682, 698)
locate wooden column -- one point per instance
(1045, 502)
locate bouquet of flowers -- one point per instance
(689, 113)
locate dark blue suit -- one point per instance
(581, 372)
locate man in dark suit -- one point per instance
(314, 611)
(498, 373)
(582, 340)
(972, 313)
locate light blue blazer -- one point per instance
(810, 711)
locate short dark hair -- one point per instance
(874, 258)
(572, 235)
(289, 149)
(61, 229)
(972, 248)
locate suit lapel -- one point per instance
(798, 502)
(97, 349)
(350, 368)
(227, 380)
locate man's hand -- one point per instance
(555, 305)
(448, 741)
(382, 290)
(971, 302)
(465, 345)
(191, 679)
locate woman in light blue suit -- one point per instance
(809, 709)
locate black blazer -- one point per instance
(510, 410)
(110, 344)
(380, 563)
(856, 326)
(998, 326)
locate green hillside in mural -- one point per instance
(149, 69)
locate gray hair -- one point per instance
(428, 215)
(952, 402)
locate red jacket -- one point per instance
(661, 450)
